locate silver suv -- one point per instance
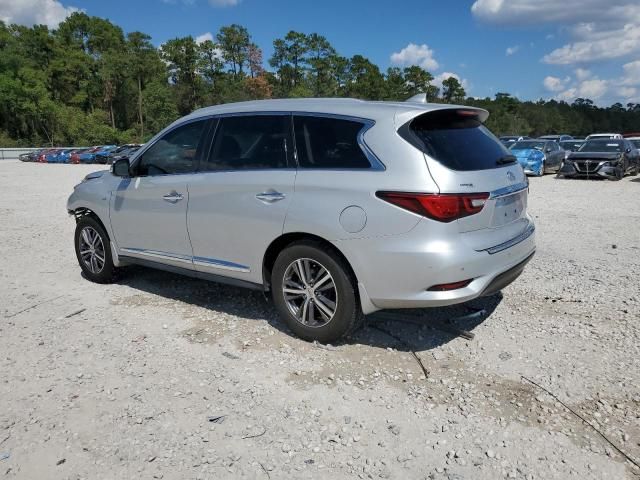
(338, 207)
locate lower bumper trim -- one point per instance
(505, 278)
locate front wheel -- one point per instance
(93, 251)
(540, 172)
(314, 293)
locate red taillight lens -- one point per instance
(442, 207)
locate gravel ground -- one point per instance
(127, 380)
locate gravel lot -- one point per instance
(122, 381)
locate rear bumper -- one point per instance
(397, 272)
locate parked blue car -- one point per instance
(538, 156)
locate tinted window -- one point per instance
(603, 146)
(458, 140)
(250, 142)
(176, 152)
(329, 143)
(636, 143)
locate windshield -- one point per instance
(458, 140)
(570, 145)
(528, 145)
(602, 146)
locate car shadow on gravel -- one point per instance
(416, 330)
(425, 329)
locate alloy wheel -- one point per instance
(310, 292)
(92, 250)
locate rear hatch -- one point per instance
(464, 157)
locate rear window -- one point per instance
(457, 139)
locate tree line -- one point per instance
(87, 82)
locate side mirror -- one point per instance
(628, 150)
(120, 168)
(547, 150)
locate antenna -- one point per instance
(419, 98)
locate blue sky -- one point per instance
(530, 48)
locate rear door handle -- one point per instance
(172, 197)
(270, 196)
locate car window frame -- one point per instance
(204, 143)
(291, 159)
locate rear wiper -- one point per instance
(506, 159)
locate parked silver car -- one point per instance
(338, 207)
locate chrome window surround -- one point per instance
(376, 164)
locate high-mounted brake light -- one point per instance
(445, 207)
(467, 113)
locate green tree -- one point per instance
(452, 90)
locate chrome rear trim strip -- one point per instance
(510, 190)
(510, 243)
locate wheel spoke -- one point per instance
(85, 252)
(321, 281)
(85, 237)
(324, 308)
(300, 272)
(99, 257)
(304, 311)
(294, 291)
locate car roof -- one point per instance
(373, 110)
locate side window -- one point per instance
(176, 152)
(250, 142)
(328, 143)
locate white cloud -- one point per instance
(554, 84)
(30, 12)
(631, 73)
(224, 3)
(511, 50)
(413, 54)
(582, 73)
(599, 31)
(204, 37)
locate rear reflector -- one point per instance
(442, 207)
(445, 287)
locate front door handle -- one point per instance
(172, 197)
(271, 196)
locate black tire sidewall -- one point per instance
(348, 308)
(108, 272)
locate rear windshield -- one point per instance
(572, 146)
(602, 146)
(458, 140)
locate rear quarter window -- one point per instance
(324, 142)
(457, 139)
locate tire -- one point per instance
(541, 172)
(94, 270)
(635, 171)
(619, 174)
(339, 289)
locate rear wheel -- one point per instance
(314, 293)
(93, 251)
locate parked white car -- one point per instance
(610, 136)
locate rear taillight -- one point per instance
(444, 207)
